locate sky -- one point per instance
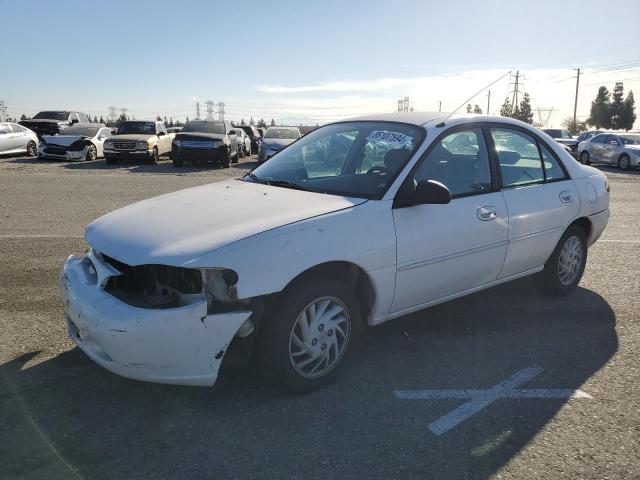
(311, 62)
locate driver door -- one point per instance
(447, 249)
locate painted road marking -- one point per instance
(480, 399)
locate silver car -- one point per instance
(615, 148)
(15, 138)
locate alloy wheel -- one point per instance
(570, 260)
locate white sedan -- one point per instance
(85, 142)
(15, 138)
(357, 223)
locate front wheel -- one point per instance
(92, 153)
(624, 163)
(584, 158)
(309, 332)
(564, 269)
(32, 149)
(155, 156)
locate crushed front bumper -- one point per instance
(182, 345)
(67, 155)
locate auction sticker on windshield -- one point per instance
(392, 138)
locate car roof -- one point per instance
(425, 118)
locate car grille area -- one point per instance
(124, 145)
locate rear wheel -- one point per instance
(92, 153)
(584, 158)
(624, 162)
(223, 157)
(240, 151)
(32, 149)
(309, 332)
(565, 267)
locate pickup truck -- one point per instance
(145, 140)
(54, 122)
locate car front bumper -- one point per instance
(182, 345)
(194, 154)
(128, 154)
(70, 155)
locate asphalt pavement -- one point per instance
(62, 416)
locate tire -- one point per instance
(624, 162)
(584, 158)
(223, 157)
(236, 157)
(240, 152)
(92, 153)
(282, 344)
(32, 148)
(556, 282)
(155, 157)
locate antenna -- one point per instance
(471, 97)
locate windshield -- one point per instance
(82, 131)
(630, 139)
(289, 133)
(204, 127)
(143, 128)
(358, 159)
(52, 115)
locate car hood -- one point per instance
(62, 140)
(35, 121)
(211, 136)
(179, 227)
(131, 137)
(277, 142)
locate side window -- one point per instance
(160, 128)
(4, 129)
(16, 128)
(105, 132)
(460, 161)
(598, 139)
(552, 169)
(519, 158)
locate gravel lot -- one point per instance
(62, 416)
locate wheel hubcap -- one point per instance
(570, 260)
(624, 162)
(319, 337)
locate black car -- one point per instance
(254, 135)
(205, 141)
(54, 122)
(564, 138)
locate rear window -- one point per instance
(52, 115)
(286, 133)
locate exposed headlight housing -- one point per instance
(143, 146)
(177, 142)
(219, 286)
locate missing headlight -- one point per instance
(220, 289)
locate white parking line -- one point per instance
(480, 399)
(617, 241)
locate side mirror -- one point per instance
(160, 134)
(425, 192)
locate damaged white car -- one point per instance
(78, 143)
(356, 223)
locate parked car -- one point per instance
(563, 137)
(254, 136)
(204, 141)
(297, 256)
(77, 143)
(584, 136)
(275, 139)
(616, 148)
(53, 122)
(243, 141)
(145, 140)
(174, 129)
(15, 138)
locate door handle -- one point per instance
(566, 196)
(487, 213)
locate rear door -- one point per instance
(596, 145)
(609, 149)
(443, 250)
(7, 139)
(541, 198)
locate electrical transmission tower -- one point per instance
(210, 109)
(113, 114)
(544, 115)
(403, 105)
(221, 111)
(3, 111)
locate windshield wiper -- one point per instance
(294, 186)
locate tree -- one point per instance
(524, 113)
(628, 112)
(469, 108)
(251, 122)
(187, 120)
(262, 123)
(166, 123)
(158, 118)
(23, 117)
(122, 118)
(242, 121)
(617, 104)
(600, 109)
(506, 108)
(273, 122)
(574, 128)
(95, 119)
(171, 121)
(477, 109)
(101, 119)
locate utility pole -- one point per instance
(197, 110)
(439, 105)
(575, 104)
(488, 100)
(3, 111)
(113, 114)
(517, 84)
